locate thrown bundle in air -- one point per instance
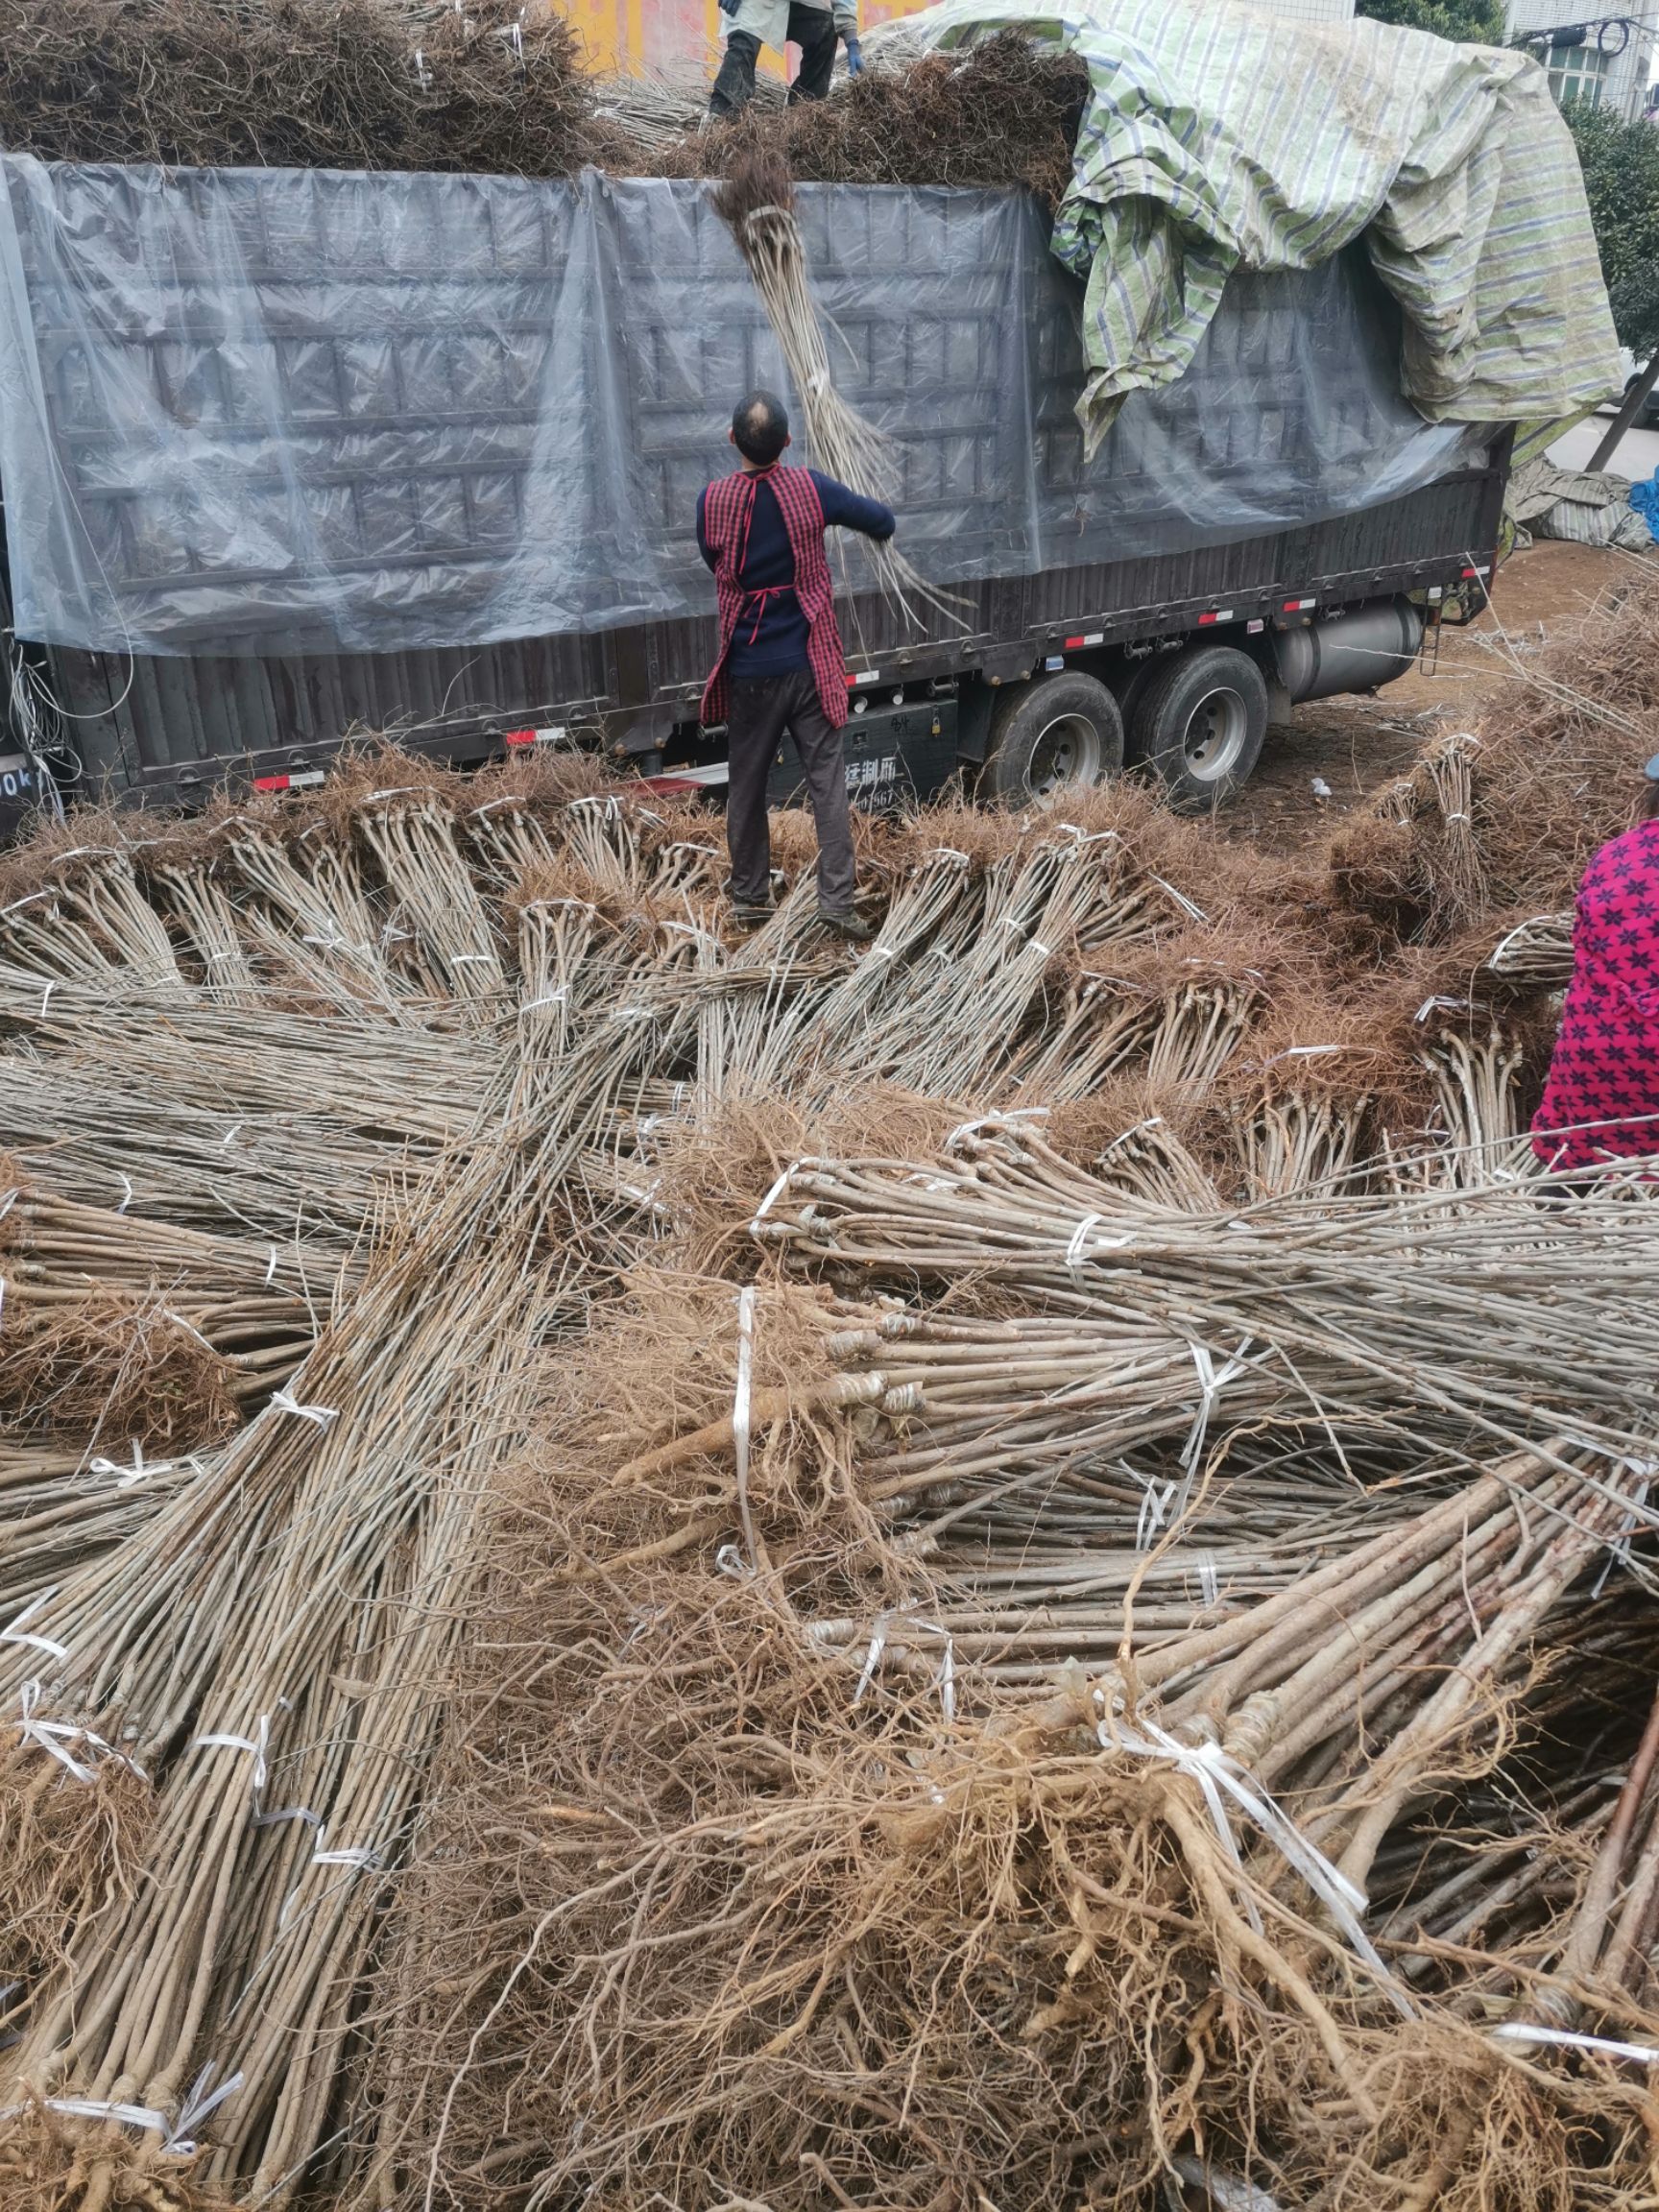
(757, 202)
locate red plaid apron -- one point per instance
(727, 511)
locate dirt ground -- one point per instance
(1355, 745)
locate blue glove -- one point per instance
(855, 57)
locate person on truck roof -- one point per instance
(812, 25)
(780, 665)
(1601, 1100)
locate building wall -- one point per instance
(675, 35)
(1619, 81)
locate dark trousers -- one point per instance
(762, 709)
(811, 29)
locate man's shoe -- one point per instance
(853, 926)
(751, 917)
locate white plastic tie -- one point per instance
(126, 1193)
(140, 1471)
(47, 999)
(1516, 2032)
(52, 1736)
(1212, 1383)
(271, 1266)
(1011, 1120)
(881, 1635)
(794, 1168)
(178, 2136)
(285, 1402)
(742, 1405)
(1080, 1249)
(16, 1633)
(1156, 1501)
(257, 1743)
(1220, 1777)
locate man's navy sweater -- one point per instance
(771, 634)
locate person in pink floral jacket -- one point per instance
(1601, 1100)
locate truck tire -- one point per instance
(1199, 726)
(1061, 733)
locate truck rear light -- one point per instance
(1090, 637)
(297, 780)
(1469, 573)
(1217, 614)
(1299, 606)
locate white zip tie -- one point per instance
(553, 999)
(1207, 1580)
(229, 1136)
(271, 1266)
(127, 1196)
(285, 1402)
(47, 999)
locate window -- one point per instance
(1578, 73)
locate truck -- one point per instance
(1276, 526)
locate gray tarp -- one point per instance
(277, 410)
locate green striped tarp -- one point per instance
(1219, 137)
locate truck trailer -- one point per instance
(313, 455)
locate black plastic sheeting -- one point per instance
(284, 411)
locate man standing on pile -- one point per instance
(780, 665)
(812, 25)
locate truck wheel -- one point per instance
(1199, 726)
(1062, 733)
